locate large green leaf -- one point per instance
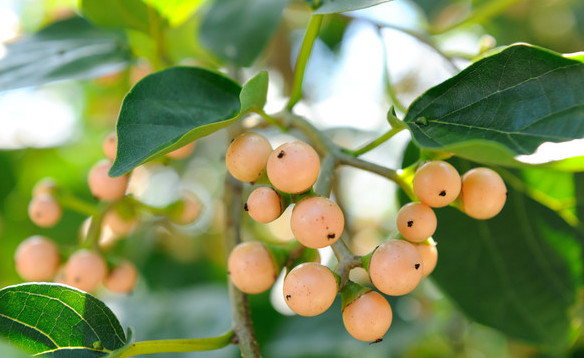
(127, 14)
(238, 31)
(519, 272)
(70, 48)
(171, 108)
(502, 106)
(334, 6)
(50, 320)
(175, 11)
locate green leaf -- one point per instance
(126, 14)
(67, 49)
(502, 106)
(238, 31)
(519, 272)
(254, 93)
(175, 11)
(171, 108)
(50, 320)
(334, 6)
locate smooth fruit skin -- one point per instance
(396, 267)
(109, 146)
(190, 209)
(437, 183)
(85, 270)
(429, 255)
(182, 152)
(483, 193)
(103, 186)
(263, 205)
(247, 156)
(317, 222)
(37, 259)
(368, 317)
(416, 222)
(44, 210)
(122, 278)
(310, 289)
(120, 226)
(251, 267)
(293, 167)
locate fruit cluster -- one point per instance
(395, 267)
(117, 216)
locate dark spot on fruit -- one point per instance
(77, 279)
(331, 236)
(228, 272)
(506, 194)
(410, 223)
(417, 266)
(288, 297)
(442, 193)
(376, 341)
(232, 139)
(245, 207)
(281, 154)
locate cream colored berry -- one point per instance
(483, 193)
(247, 156)
(122, 278)
(264, 205)
(182, 152)
(119, 225)
(85, 270)
(44, 210)
(437, 183)
(46, 186)
(368, 317)
(103, 186)
(429, 254)
(109, 146)
(310, 289)
(251, 267)
(396, 267)
(293, 167)
(416, 221)
(189, 210)
(317, 222)
(37, 259)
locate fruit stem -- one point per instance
(309, 38)
(70, 201)
(375, 143)
(95, 227)
(178, 345)
(241, 316)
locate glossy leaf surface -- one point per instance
(334, 6)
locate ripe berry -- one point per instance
(109, 146)
(293, 167)
(483, 193)
(44, 211)
(85, 270)
(416, 221)
(189, 209)
(122, 278)
(396, 267)
(317, 222)
(37, 259)
(121, 226)
(182, 152)
(247, 156)
(437, 183)
(263, 205)
(368, 317)
(429, 254)
(310, 289)
(251, 267)
(103, 186)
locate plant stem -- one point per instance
(70, 201)
(375, 143)
(305, 50)
(241, 316)
(94, 231)
(178, 345)
(489, 10)
(271, 120)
